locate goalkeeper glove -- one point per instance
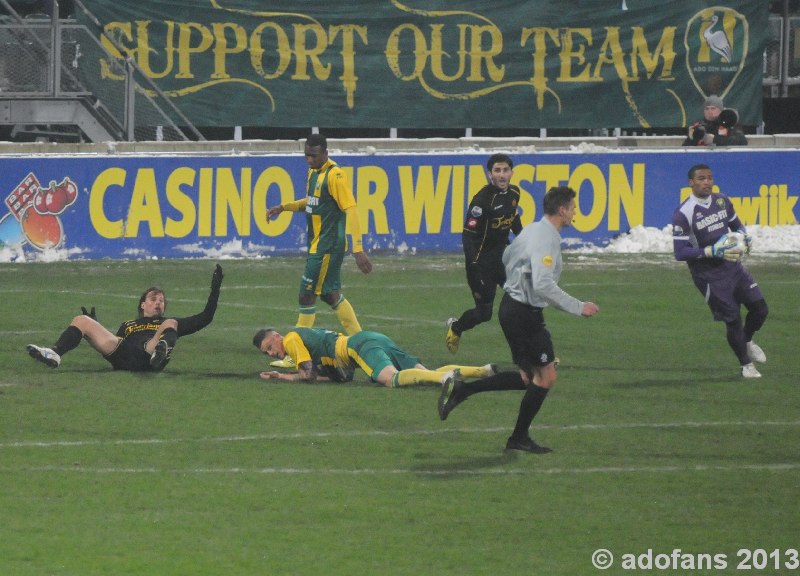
(748, 242)
(725, 248)
(90, 313)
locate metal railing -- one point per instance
(781, 67)
(41, 59)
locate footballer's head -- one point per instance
(152, 303)
(269, 342)
(499, 168)
(316, 151)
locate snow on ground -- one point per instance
(640, 240)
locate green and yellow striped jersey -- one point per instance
(329, 194)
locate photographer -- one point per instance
(718, 126)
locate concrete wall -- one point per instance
(378, 145)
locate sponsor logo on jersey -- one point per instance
(472, 223)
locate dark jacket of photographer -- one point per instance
(723, 130)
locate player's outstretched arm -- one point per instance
(192, 324)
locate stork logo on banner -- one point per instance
(716, 45)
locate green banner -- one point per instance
(444, 64)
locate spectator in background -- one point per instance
(718, 126)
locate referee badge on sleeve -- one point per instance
(547, 260)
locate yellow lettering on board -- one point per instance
(457, 197)
(107, 179)
(371, 193)
(186, 49)
(272, 176)
(205, 196)
(305, 54)
(623, 192)
(144, 52)
(282, 49)
(425, 198)
(234, 200)
(221, 48)
(611, 52)
(524, 174)
(552, 175)
(121, 31)
(665, 50)
(182, 202)
(570, 53)
(592, 174)
(145, 207)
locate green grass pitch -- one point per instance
(205, 469)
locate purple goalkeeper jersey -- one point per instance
(700, 222)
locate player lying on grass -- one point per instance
(141, 345)
(322, 355)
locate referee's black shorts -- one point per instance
(525, 331)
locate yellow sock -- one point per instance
(306, 317)
(347, 316)
(414, 376)
(466, 371)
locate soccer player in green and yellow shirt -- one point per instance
(327, 355)
(329, 205)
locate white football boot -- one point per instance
(749, 371)
(44, 355)
(756, 353)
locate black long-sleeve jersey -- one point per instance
(491, 215)
(140, 330)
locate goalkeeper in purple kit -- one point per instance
(701, 231)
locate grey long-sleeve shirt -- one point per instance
(533, 268)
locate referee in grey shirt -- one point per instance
(533, 267)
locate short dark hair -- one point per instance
(693, 170)
(557, 197)
(260, 335)
(495, 158)
(317, 140)
(143, 297)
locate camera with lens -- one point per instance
(700, 130)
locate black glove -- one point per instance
(699, 133)
(216, 279)
(90, 313)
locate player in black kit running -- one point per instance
(141, 345)
(492, 214)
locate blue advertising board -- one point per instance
(131, 207)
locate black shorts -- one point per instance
(526, 334)
(484, 277)
(131, 357)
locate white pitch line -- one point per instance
(779, 467)
(380, 433)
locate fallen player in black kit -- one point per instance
(141, 345)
